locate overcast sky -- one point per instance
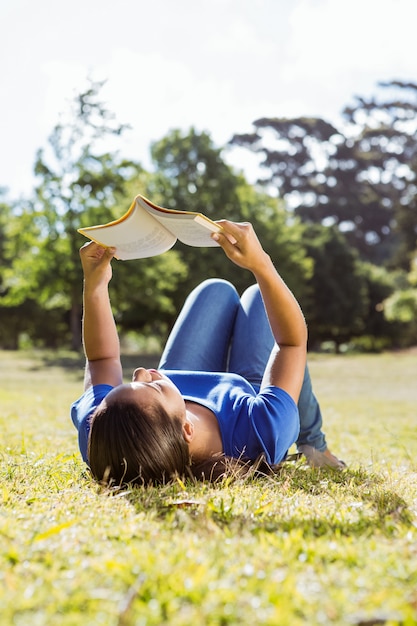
(214, 64)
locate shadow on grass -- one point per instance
(66, 361)
(73, 361)
(359, 504)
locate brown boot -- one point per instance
(315, 458)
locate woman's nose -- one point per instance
(141, 375)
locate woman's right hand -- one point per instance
(286, 366)
(241, 245)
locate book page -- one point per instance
(192, 229)
(137, 237)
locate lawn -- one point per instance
(306, 547)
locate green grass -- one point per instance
(307, 547)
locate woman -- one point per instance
(224, 389)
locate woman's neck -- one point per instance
(207, 440)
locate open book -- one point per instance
(148, 230)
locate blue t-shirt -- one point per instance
(251, 423)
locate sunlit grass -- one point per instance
(307, 547)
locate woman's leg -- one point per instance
(200, 338)
(251, 346)
(311, 440)
(310, 417)
(252, 340)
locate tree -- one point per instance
(81, 181)
(401, 307)
(8, 314)
(77, 181)
(360, 177)
(316, 169)
(386, 137)
(340, 298)
(192, 175)
(18, 316)
(77, 185)
(5, 217)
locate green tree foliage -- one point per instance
(340, 297)
(5, 217)
(192, 175)
(17, 315)
(378, 331)
(385, 139)
(8, 314)
(76, 183)
(143, 293)
(80, 181)
(401, 307)
(342, 190)
(361, 177)
(316, 169)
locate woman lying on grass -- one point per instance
(223, 390)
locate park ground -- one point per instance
(306, 547)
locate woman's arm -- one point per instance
(100, 338)
(286, 366)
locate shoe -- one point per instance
(315, 458)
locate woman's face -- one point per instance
(150, 388)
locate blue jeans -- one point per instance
(216, 331)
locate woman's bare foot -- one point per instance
(315, 458)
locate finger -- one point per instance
(226, 241)
(105, 254)
(238, 231)
(91, 247)
(228, 236)
(233, 227)
(110, 251)
(86, 245)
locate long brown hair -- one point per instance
(128, 444)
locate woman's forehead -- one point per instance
(128, 391)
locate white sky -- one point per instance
(214, 64)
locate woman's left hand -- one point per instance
(96, 263)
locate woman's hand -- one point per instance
(96, 264)
(101, 343)
(286, 366)
(241, 245)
